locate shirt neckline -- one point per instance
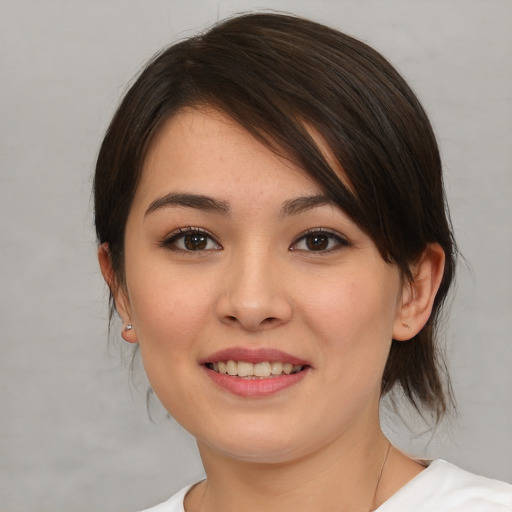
(417, 481)
(383, 507)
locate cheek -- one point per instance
(353, 320)
(169, 308)
(351, 306)
(172, 315)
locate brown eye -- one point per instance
(191, 240)
(195, 242)
(317, 242)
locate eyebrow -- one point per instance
(196, 201)
(304, 203)
(290, 207)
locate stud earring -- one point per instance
(128, 334)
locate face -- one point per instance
(264, 314)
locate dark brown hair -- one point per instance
(276, 75)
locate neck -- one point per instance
(341, 476)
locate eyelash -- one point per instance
(179, 234)
(170, 242)
(320, 232)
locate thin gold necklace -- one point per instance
(380, 476)
(374, 493)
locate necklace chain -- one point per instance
(381, 472)
(380, 476)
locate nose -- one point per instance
(253, 293)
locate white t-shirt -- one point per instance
(442, 487)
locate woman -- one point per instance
(272, 227)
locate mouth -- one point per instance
(254, 371)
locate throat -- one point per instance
(295, 486)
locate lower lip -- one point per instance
(255, 387)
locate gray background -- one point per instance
(74, 432)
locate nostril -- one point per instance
(265, 323)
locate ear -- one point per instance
(118, 292)
(419, 293)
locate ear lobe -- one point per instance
(419, 293)
(128, 333)
(122, 304)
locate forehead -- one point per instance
(207, 151)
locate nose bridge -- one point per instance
(254, 294)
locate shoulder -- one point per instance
(173, 504)
(443, 487)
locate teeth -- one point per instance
(232, 368)
(287, 368)
(276, 368)
(261, 370)
(245, 369)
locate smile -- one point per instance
(260, 370)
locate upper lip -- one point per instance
(253, 356)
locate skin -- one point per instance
(258, 284)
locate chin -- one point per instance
(257, 451)
(262, 443)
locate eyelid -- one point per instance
(170, 238)
(342, 240)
